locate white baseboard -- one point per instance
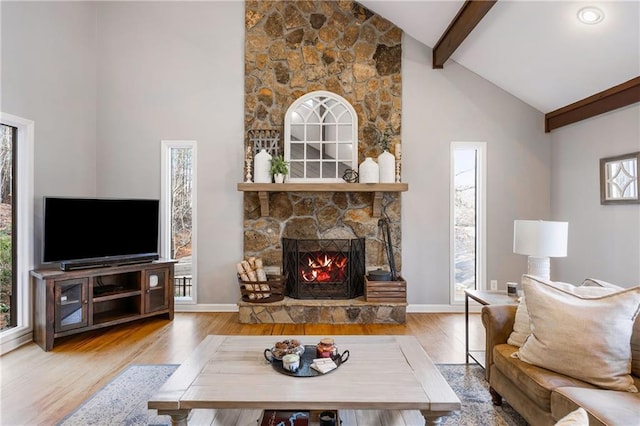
(207, 307)
(441, 309)
(14, 339)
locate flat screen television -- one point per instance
(94, 232)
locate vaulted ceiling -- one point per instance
(536, 50)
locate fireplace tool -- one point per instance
(383, 224)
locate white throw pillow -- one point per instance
(585, 336)
(592, 282)
(578, 417)
(521, 327)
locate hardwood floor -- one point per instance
(40, 388)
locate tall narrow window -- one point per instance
(8, 238)
(178, 207)
(16, 230)
(467, 217)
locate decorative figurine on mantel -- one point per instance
(248, 161)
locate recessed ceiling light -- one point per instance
(590, 15)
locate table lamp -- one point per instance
(540, 240)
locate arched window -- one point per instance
(320, 138)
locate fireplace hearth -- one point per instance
(324, 268)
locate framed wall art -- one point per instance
(619, 182)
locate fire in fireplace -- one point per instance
(324, 269)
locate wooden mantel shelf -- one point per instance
(378, 189)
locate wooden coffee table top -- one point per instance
(382, 373)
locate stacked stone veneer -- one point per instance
(354, 311)
(296, 47)
(314, 215)
(293, 48)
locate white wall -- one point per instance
(604, 240)
(454, 104)
(174, 71)
(48, 75)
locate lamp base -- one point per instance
(540, 267)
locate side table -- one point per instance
(484, 298)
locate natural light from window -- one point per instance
(178, 215)
(19, 328)
(467, 217)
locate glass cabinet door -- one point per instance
(71, 304)
(156, 295)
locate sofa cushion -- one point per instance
(536, 382)
(635, 335)
(592, 282)
(521, 327)
(577, 417)
(585, 337)
(605, 407)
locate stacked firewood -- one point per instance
(254, 278)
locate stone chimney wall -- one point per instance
(296, 47)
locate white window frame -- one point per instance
(165, 209)
(349, 112)
(23, 331)
(481, 214)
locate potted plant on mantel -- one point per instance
(279, 168)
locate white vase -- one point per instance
(368, 172)
(261, 167)
(387, 165)
(278, 178)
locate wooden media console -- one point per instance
(70, 302)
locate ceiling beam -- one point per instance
(469, 15)
(616, 97)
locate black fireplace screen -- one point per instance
(324, 269)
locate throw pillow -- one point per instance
(578, 417)
(521, 327)
(592, 282)
(582, 336)
(635, 336)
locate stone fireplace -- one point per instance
(293, 48)
(323, 269)
(317, 216)
(338, 215)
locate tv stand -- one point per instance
(71, 302)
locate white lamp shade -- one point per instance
(540, 238)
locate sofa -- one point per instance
(542, 395)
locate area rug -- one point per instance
(468, 382)
(123, 401)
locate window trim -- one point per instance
(287, 135)
(481, 217)
(165, 208)
(23, 331)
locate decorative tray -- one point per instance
(306, 359)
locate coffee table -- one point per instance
(382, 373)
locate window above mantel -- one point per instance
(378, 189)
